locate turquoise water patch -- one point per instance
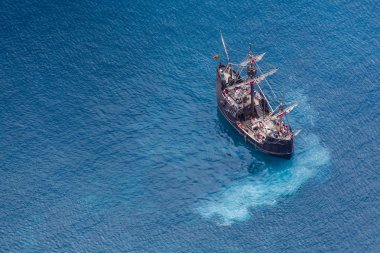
(264, 188)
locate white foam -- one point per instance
(273, 181)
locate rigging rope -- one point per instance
(270, 87)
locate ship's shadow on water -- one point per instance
(268, 178)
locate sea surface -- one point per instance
(111, 140)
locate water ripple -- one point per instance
(274, 181)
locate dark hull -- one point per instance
(271, 146)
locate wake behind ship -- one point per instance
(243, 103)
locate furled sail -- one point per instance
(286, 111)
(254, 58)
(256, 79)
(259, 78)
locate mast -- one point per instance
(225, 48)
(251, 71)
(281, 111)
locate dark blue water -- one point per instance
(111, 140)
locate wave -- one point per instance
(271, 182)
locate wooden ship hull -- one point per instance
(272, 146)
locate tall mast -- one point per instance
(281, 111)
(225, 47)
(251, 74)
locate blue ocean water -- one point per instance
(111, 140)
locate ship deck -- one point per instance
(268, 128)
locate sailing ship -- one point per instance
(244, 104)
